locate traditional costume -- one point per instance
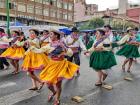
(128, 50)
(73, 42)
(102, 60)
(58, 67)
(4, 44)
(16, 51)
(34, 60)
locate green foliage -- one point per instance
(122, 25)
(93, 24)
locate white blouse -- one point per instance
(106, 41)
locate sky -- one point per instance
(112, 4)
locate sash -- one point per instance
(57, 51)
(14, 40)
(59, 48)
(100, 41)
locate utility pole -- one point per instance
(8, 18)
(15, 7)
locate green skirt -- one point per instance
(129, 51)
(116, 45)
(102, 60)
(89, 45)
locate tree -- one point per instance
(122, 25)
(96, 23)
(93, 24)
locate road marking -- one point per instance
(17, 97)
(91, 94)
(9, 84)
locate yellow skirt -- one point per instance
(58, 70)
(14, 53)
(34, 61)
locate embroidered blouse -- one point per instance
(105, 44)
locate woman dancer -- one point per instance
(34, 61)
(4, 44)
(130, 49)
(58, 67)
(16, 51)
(102, 57)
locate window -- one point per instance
(30, 8)
(21, 7)
(59, 4)
(65, 5)
(39, 1)
(65, 16)
(70, 17)
(70, 7)
(2, 4)
(53, 13)
(53, 2)
(60, 15)
(46, 2)
(38, 10)
(46, 12)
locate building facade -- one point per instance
(134, 13)
(125, 13)
(44, 12)
(81, 9)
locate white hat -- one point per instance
(129, 28)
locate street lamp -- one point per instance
(8, 18)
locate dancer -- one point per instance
(58, 67)
(34, 61)
(73, 42)
(4, 44)
(130, 49)
(102, 57)
(16, 51)
(108, 32)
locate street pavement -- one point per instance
(14, 88)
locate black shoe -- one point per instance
(1, 68)
(98, 84)
(34, 88)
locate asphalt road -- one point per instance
(14, 88)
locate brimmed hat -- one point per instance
(2, 30)
(35, 30)
(17, 32)
(74, 29)
(129, 28)
(56, 31)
